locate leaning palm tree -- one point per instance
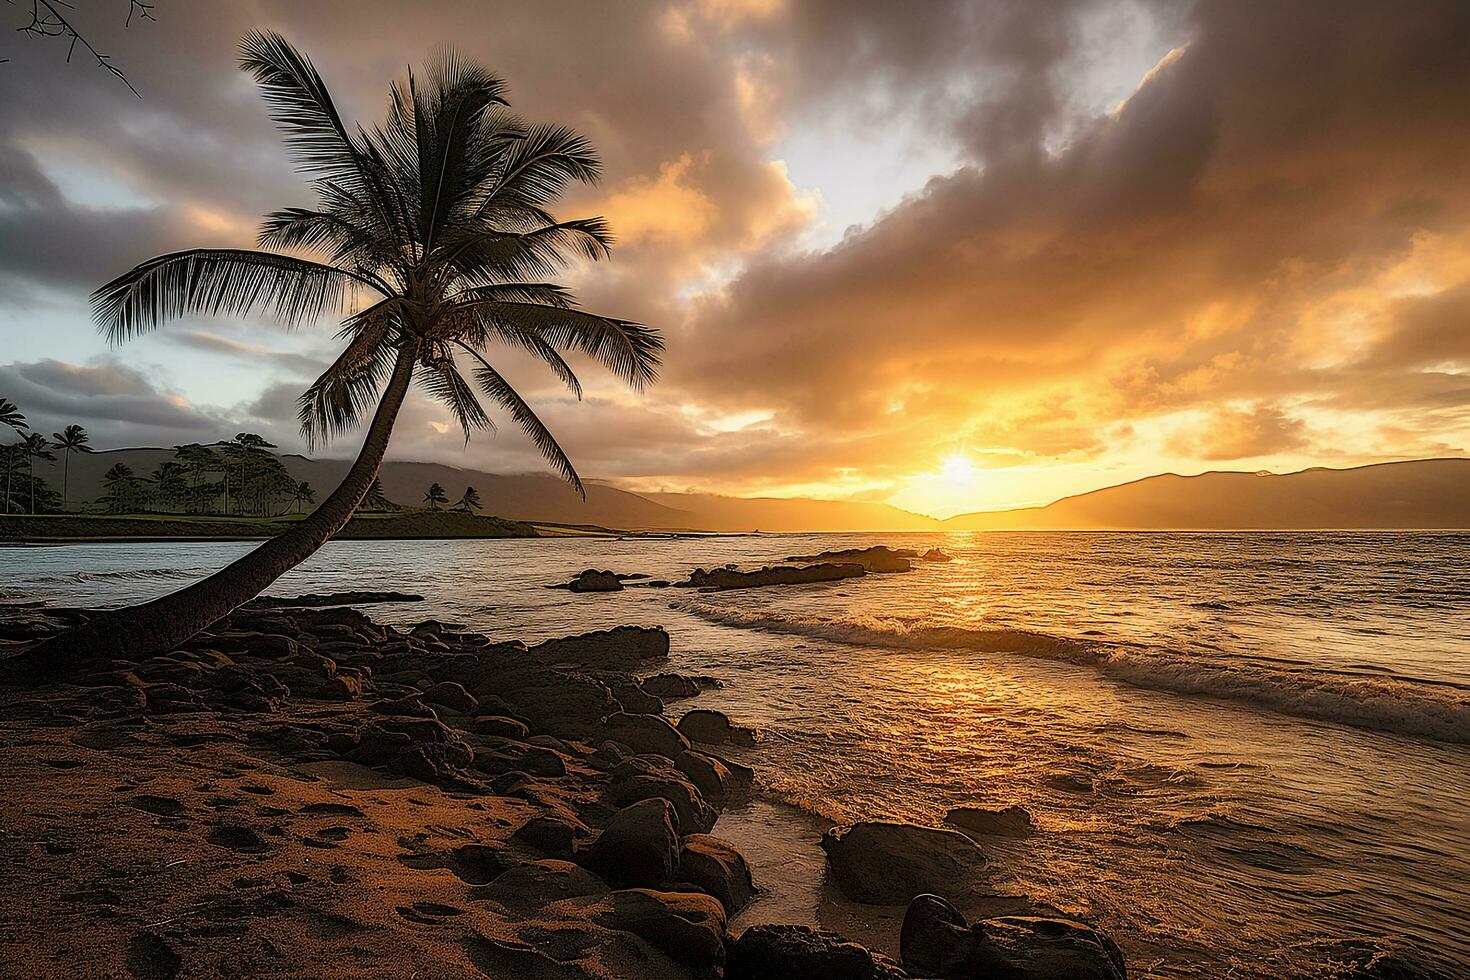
(438, 217)
(435, 496)
(11, 416)
(72, 439)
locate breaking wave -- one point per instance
(1390, 704)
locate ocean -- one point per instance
(1233, 745)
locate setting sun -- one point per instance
(958, 471)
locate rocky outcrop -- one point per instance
(1011, 821)
(316, 600)
(774, 952)
(720, 579)
(647, 777)
(592, 580)
(639, 846)
(645, 733)
(879, 559)
(889, 863)
(672, 687)
(936, 942)
(715, 867)
(620, 648)
(714, 728)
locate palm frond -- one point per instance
(441, 379)
(336, 402)
(540, 166)
(508, 398)
(630, 350)
(219, 281)
(301, 105)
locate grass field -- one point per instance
(142, 527)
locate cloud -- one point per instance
(1242, 221)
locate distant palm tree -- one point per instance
(435, 496)
(470, 502)
(441, 211)
(72, 439)
(121, 486)
(34, 447)
(303, 494)
(10, 415)
(375, 498)
(13, 456)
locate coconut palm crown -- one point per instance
(438, 216)
(432, 241)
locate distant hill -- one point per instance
(1421, 493)
(1425, 493)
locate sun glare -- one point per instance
(958, 471)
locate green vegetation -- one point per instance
(396, 524)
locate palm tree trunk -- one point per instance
(160, 625)
(65, 477)
(31, 471)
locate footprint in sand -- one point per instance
(332, 809)
(162, 806)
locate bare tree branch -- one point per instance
(47, 20)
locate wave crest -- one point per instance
(1378, 703)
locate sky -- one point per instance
(954, 256)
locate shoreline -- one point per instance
(438, 794)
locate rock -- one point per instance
(724, 578)
(645, 733)
(639, 846)
(687, 927)
(1011, 821)
(709, 775)
(531, 887)
(881, 863)
(714, 866)
(408, 707)
(452, 696)
(630, 694)
(935, 940)
(714, 728)
(671, 687)
(615, 649)
(500, 726)
(934, 554)
(317, 600)
(554, 700)
(591, 580)
(771, 952)
(635, 779)
(550, 835)
(880, 559)
(1030, 948)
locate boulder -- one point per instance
(551, 835)
(725, 578)
(1011, 821)
(671, 687)
(528, 888)
(615, 649)
(687, 927)
(639, 846)
(645, 733)
(714, 728)
(553, 700)
(715, 867)
(934, 554)
(709, 775)
(936, 942)
(591, 580)
(880, 559)
(450, 695)
(880, 863)
(627, 786)
(771, 952)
